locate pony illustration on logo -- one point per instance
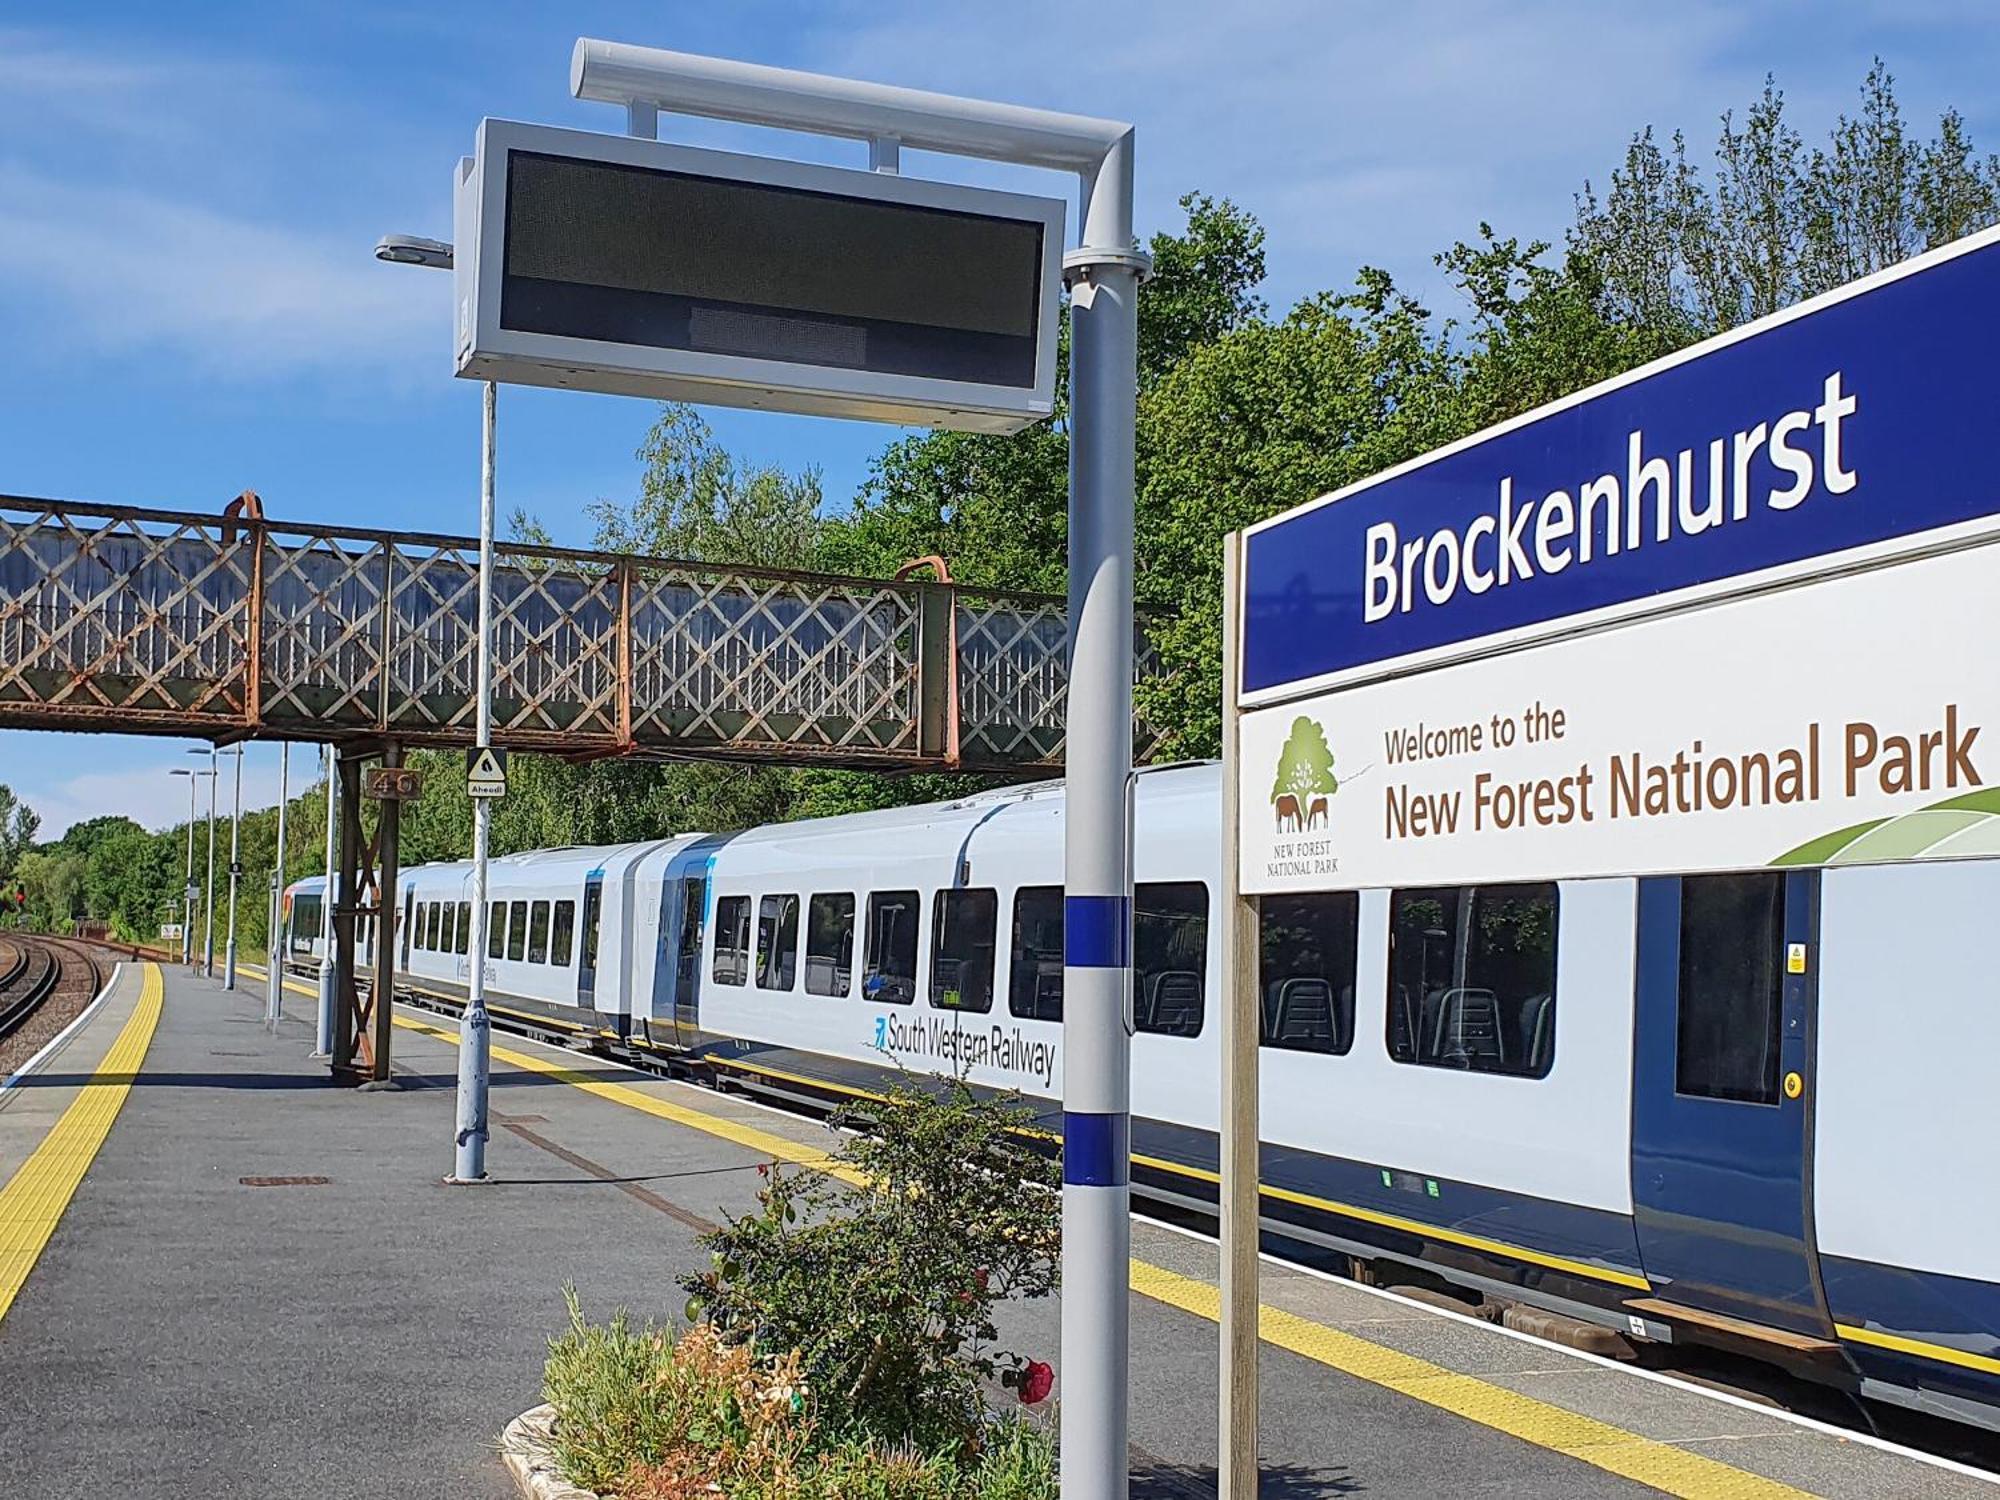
(1305, 779)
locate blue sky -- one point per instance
(189, 194)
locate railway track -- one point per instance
(45, 982)
(30, 978)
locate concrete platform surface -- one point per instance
(262, 1288)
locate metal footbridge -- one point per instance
(236, 627)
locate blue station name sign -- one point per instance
(1851, 425)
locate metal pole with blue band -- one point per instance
(1097, 881)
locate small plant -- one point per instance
(633, 1402)
(885, 1283)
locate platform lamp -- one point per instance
(208, 918)
(187, 891)
(474, 1026)
(235, 869)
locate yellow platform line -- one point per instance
(33, 1201)
(1674, 1471)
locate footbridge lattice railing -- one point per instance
(147, 621)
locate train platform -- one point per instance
(222, 1276)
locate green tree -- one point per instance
(18, 823)
(53, 881)
(696, 501)
(1268, 416)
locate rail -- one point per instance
(238, 626)
(30, 981)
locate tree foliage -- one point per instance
(18, 823)
(1241, 414)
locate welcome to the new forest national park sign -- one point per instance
(1735, 608)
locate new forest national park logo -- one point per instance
(1305, 780)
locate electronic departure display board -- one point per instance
(609, 263)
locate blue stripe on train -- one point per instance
(1956, 1312)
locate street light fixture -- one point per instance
(235, 871)
(475, 1028)
(208, 919)
(187, 892)
(414, 250)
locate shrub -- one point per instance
(885, 1282)
(646, 1417)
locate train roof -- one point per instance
(1165, 795)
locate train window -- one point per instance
(830, 944)
(435, 930)
(496, 929)
(449, 911)
(563, 936)
(538, 933)
(962, 944)
(732, 940)
(891, 972)
(517, 931)
(464, 940)
(1732, 981)
(777, 942)
(1472, 978)
(421, 936)
(1305, 970)
(1035, 967)
(1169, 956)
(306, 919)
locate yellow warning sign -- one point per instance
(486, 773)
(1795, 958)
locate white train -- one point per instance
(1566, 1094)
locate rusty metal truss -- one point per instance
(143, 621)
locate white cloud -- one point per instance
(188, 209)
(144, 791)
(1359, 134)
(135, 273)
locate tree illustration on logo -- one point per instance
(1305, 778)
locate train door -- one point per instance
(1722, 1096)
(586, 960)
(690, 922)
(683, 924)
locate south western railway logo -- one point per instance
(1305, 782)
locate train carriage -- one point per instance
(1472, 1079)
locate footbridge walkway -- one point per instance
(234, 626)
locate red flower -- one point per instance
(1037, 1380)
(763, 1169)
(979, 1280)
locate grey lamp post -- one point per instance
(208, 919)
(187, 891)
(235, 871)
(474, 1025)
